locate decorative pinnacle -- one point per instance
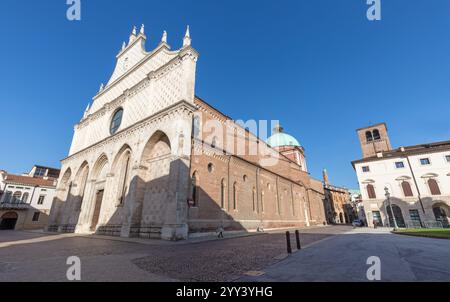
(134, 31)
(164, 37)
(124, 45)
(187, 38)
(101, 87)
(142, 29)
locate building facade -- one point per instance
(337, 204)
(358, 206)
(415, 180)
(26, 200)
(150, 159)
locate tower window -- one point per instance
(447, 158)
(366, 169)
(376, 135)
(369, 137)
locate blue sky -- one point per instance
(318, 66)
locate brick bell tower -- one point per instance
(374, 139)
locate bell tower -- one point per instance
(374, 139)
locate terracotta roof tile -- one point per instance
(31, 181)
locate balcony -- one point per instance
(14, 206)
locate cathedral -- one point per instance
(151, 159)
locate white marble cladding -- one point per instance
(151, 82)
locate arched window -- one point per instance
(262, 201)
(369, 137)
(196, 126)
(83, 187)
(376, 135)
(293, 206)
(254, 199)
(371, 192)
(235, 196)
(16, 197)
(214, 142)
(8, 196)
(125, 171)
(407, 191)
(222, 193)
(69, 191)
(25, 197)
(194, 189)
(116, 121)
(434, 187)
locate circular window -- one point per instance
(116, 121)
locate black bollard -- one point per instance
(288, 242)
(297, 236)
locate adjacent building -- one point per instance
(415, 180)
(26, 200)
(358, 206)
(151, 159)
(338, 209)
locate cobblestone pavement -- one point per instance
(111, 259)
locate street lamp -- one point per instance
(388, 196)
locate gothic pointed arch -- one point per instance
(81, 180)
(121, 170)
(158, 145)
(99, 170)
(156, 164)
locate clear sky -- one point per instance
(318, 66)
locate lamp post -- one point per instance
(388, 196)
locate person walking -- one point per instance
(220, 230)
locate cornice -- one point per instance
(167, 113)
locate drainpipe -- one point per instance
(415, 183)
(32, 195)
(257, 190)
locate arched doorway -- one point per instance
(100, 172)
(398, 216)
(442, 214)
(8, 221)
(157, 159)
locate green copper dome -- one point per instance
(280, 139)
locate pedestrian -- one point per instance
(220, 230)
